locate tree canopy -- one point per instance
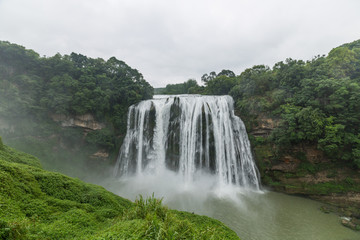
(68, 84)
(315, 101)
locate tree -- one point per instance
(227, 73)
(208, 77)
(290, 73)
(182, 88)
(220, 85)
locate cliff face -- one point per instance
(264, 126)
(304, 170)
(68, 144)
(85, 121)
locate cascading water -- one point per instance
(188, 134)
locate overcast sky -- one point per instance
(170, 41)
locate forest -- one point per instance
(315, 102)
(34, 88)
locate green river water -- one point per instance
(271, 216)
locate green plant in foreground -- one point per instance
(145, 206)
(160, 223)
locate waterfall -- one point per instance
(188, 134)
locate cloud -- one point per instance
(170, 41)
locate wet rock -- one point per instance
(347, 222)
(288, 167)
(83, 121)
(101, 154)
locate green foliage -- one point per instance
(307, 168)
(253, 81)
(1, 144)
(349, 181)
(342, 62)
(221, 85)
(103, 137)
(11, 155)
(160, 222)
(299, 125)
(33, 86)
(327, 188)
(37, 204)
(188, 87)
(289, 74)
(315, 102)
(16, 230)
(145, 206)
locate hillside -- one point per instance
(66, 107)
(303, 119)
(37, 204)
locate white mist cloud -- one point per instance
(170, 41)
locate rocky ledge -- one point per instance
(84, 121)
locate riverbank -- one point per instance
(305, 171)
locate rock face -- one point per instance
(304, 170)
(88, 123)
(264, 126)
(84, 121)
(100, 155)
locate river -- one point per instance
(260, 215)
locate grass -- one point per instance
(327, 188)
(38, 204)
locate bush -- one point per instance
(14, 230)
(104, 138)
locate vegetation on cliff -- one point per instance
(303, 119)
(34, 88)
(71, 84)
(314, 107)
(37, 204)
(314, 102)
